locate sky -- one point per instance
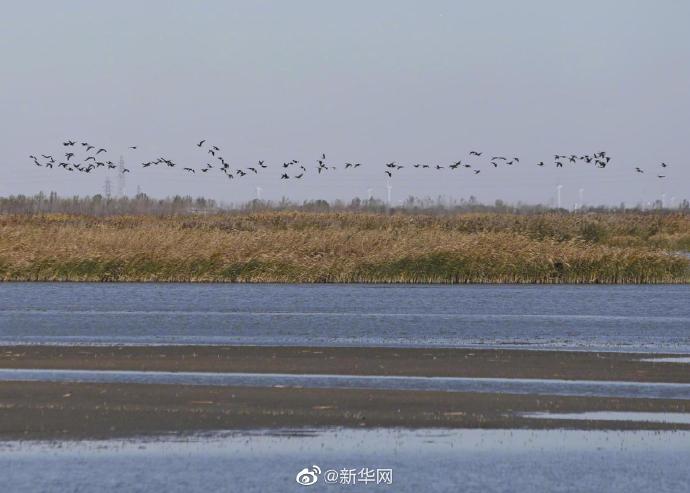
(362, 81)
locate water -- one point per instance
(454, 460)
(626, 416)
(581, 388)
(631, 318)
(671, 359)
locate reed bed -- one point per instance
(348, 247)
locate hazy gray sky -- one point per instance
(369, 81)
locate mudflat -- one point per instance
(47, 410)
(427, 362)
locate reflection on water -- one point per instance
(648, 417)
(670, 359)
(421, 460)
(589, 388)
(634, 318)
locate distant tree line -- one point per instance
(99, 205)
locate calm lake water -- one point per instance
(453, 460)
(646, 318)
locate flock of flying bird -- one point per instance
(92, 157)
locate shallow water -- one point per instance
(420, 460)
(630, 318)
(582, 388)
(646, 417)
(670, 359)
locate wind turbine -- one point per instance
(389, 187)
(558, 192)
(581, 194)
(258, 193)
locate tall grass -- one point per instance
(348, 247)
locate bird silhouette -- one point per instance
(201, 143)
(389, 174)
(101, 150)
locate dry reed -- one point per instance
(348, 247)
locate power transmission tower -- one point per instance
(107, 188)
